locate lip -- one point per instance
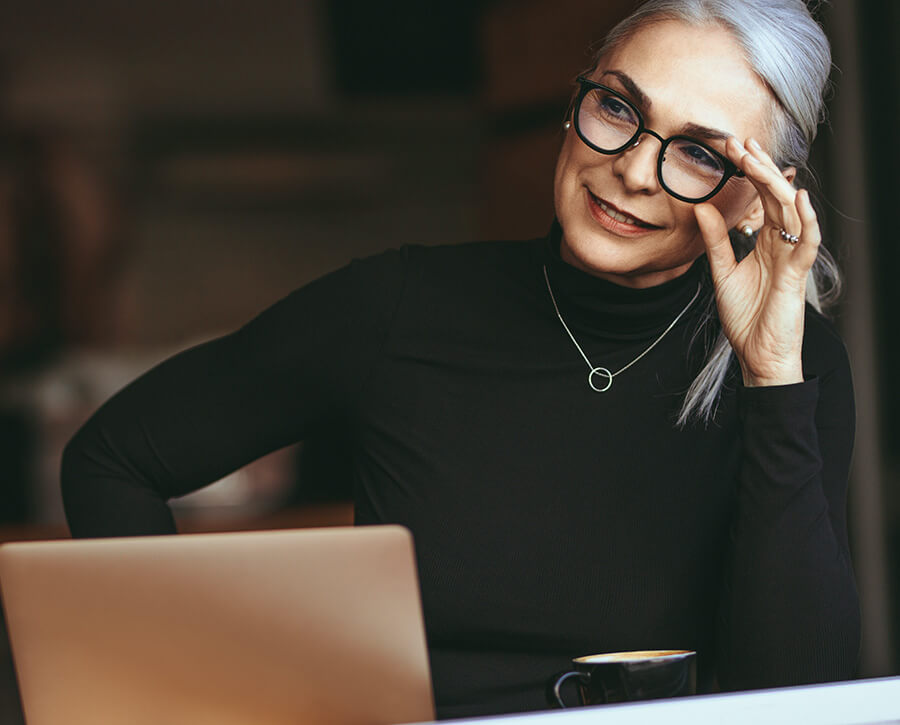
(621, 228)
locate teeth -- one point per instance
(618, 216)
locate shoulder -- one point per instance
(496, 273)
(474, 256)
(451, 271)
(414, 279)
(448, 261)
(390, 274)
(461, 290)
(488, 266)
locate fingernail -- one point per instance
(754, 144)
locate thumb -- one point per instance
(715, 236)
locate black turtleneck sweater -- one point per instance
(550, 521)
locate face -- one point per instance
(618, 222)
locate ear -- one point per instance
(754, 214)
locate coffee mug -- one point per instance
(627, 676)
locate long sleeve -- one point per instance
(540, 533)
(220, 405)
(790, 612)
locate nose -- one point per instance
(636, 165)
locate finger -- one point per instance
(735, 151)
(779, 181)
(715, 236)
(754, 149)
(776, 194)
(768, 180)
(760, 169)
(805, 251)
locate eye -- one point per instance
(613, 107)
(695, 154)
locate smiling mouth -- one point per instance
(620, 216)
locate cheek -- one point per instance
(687, 242)
(733, 202)
(683, 221)
(564, 176)
(565, 161)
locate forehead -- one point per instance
(693, 74)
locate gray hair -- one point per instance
(788, 50)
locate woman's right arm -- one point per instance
(211, 409)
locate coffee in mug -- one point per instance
(628, 676)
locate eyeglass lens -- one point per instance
(610, 123)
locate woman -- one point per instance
(521, 406)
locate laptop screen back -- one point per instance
(312, 626)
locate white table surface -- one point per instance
(858, 702)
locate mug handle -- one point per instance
(554, 697)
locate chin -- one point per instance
(621, 260)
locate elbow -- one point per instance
(810, 642)
(104, 495)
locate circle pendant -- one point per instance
(603, 373)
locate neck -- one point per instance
(598, 306)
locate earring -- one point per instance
(747, 230)
(567, 125)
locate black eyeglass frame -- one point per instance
(588, 85)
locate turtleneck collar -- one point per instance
(597, 306)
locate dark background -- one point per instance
(168, 169)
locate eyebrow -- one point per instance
(705, 132)
(630, 86)
(690, 129)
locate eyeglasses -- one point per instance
(687, 168)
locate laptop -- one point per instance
(269, 628)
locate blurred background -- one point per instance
(169, 169)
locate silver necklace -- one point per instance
(599, 370)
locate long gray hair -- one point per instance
(789, 51)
